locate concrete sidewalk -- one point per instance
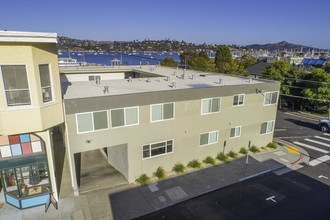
(130, 201)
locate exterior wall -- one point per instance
(184, 129)
(117, 157)
(84, 77)
(37, 116)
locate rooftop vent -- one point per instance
(220, 81)
(130, 79)
(202, 75)
(106, 90)
(98, 81)
(173, 85)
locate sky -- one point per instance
(241, 22)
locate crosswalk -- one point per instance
(318, 148)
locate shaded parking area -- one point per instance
(96, 173)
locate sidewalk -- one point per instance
(129, 201)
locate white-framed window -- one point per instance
(46, 84)
(235, 132)
(124, 117)
(210, 105)
(270, 98)
(267, 127)
(16, 85)
(208, 138)
(238, 100)
(161, 112)
(157, 149)
(92, 121)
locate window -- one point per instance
(270, 98)
(94, 78)
(46, 87)
(162, 112)
(124, 117)
(267, 127)
(239, 100)
(210, 105)
(92, 121)
(208, 138)
(235, 132)
(155, 149)
(16, 85)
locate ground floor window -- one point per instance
(155, 149)
(26, 181)
(267, 127)
(208, 138)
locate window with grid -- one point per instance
(267, 127)
(156, 149)
(235, 132)
(270, 98)
(16, 85)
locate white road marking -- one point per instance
(319, 160)
(285, 160)
(323, 138)
(271, 198)
(321, 176)
(317, 142)
(311, 147)
(326, 134)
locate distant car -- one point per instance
(324, 124)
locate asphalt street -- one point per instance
(290, 196)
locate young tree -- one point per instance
(168, 61)
(199, 63)
(223, 59)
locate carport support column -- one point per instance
(73, 169)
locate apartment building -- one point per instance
(30, 108)
(163, 116)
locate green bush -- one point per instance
(232, 154)
(243, 150)
(178, 168)
(272, 145)
(160, 173)
(222, 157)
(209, 160)
(194, 164)
(143, 179)
(254, 149)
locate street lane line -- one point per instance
(326, 134)
(311, 147)
(317, 142)
(323, 138)
(319, 160)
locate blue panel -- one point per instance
(306, 61)
(313, 62)
(24, 138)
(13, 201)
(16, 149)
(320, 62)
(35, 201)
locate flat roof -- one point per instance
(31, 37)
(169, 79)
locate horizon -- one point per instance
(212, 22)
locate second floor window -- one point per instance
(160, 112)
(238, 100)
(235, 132)
(124, 117)
(16, 85)
(210, 105)
(267, 127)
(45, 80)
(270, 98)
(92, 121)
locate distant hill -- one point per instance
(283, 45)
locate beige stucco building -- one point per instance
(30, 108)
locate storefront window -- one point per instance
(26, 181)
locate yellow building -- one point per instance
(30, 111)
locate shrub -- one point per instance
(243, 150)
(272, 145)
(254, 149)
(160, 173)
(178, 168)
(209, 160)
(232, 154)
(222, 157)
(143, 179)
(194, 164)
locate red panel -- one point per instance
(14, 139)
(26, 148)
